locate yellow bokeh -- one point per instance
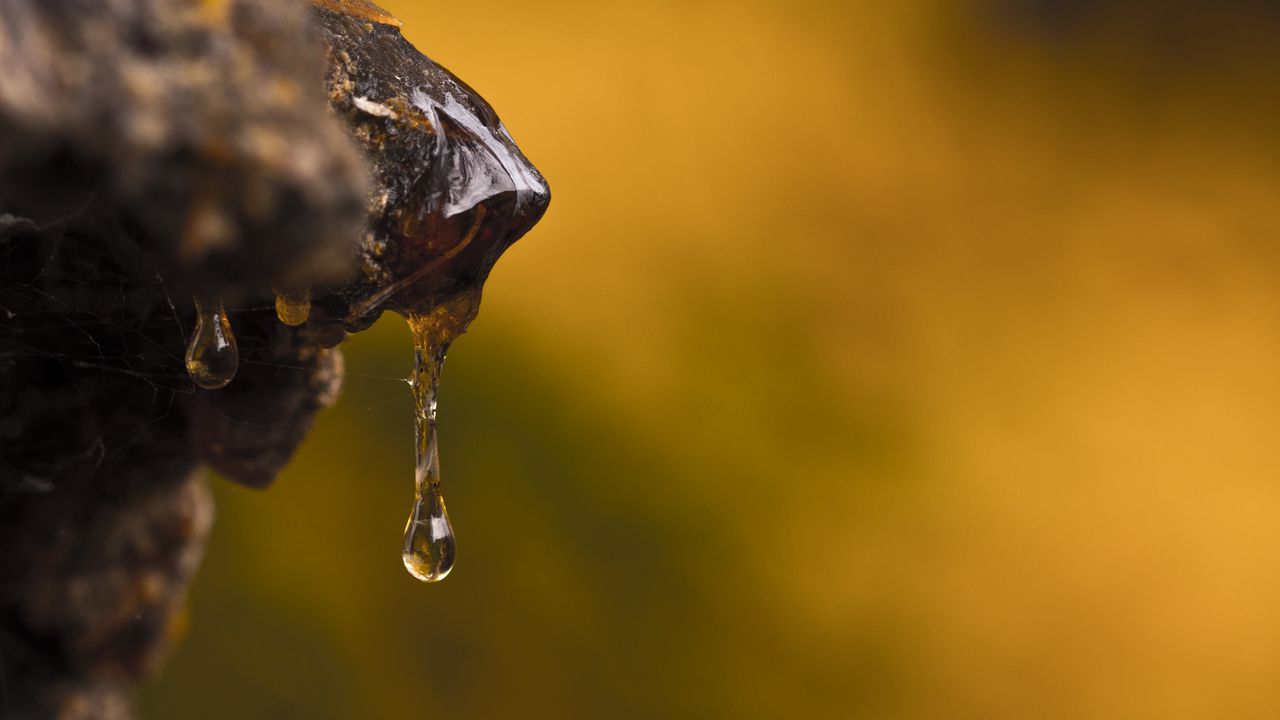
(884, 360)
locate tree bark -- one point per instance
(152, 151)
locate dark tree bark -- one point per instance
(156, 150)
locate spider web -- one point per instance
(93, 381)
(92, 346)
(82, 317)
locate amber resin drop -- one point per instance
(212, 356)
(293, 306)
(429, 544)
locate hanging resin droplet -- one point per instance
(293, 306)
(212, 356)
(429, 544)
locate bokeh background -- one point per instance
(875, 360)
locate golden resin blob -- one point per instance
(293, 306)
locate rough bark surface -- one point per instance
(152, 150)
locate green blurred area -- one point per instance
(885, 360)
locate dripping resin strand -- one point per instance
(429, 545)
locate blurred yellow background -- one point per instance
(874, 360)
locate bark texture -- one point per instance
(156, 150)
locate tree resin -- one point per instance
(212, 356)
(429, 545)
(293, 306)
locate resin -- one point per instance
(212, 356)
(429, 543)
(293, 306)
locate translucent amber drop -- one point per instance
(293, 307)
(429, 545)
(212, 356)
(428, 537)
